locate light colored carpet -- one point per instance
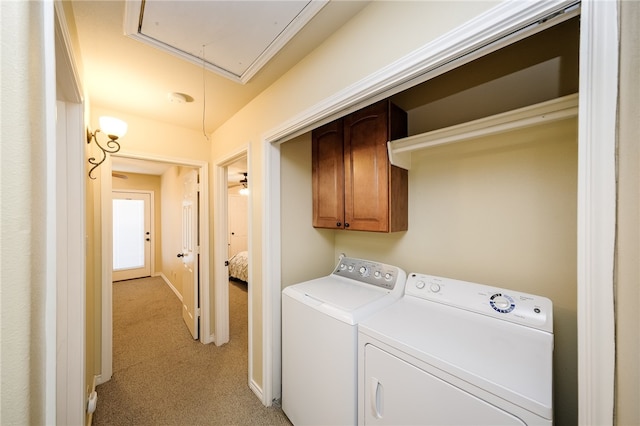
(161, 376)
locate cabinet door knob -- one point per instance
(346, 225)
(338, 224)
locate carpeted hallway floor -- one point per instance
(161, 376)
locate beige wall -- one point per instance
(156, 138)
(24, 224)
(627, 409)
(382, 33)
(300, 241)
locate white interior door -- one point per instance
(131, 235)
(237, 223)
(190, 252)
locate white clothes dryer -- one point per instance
(457, 353)
(320, 338)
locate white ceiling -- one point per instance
(232, 38)
(123, 74)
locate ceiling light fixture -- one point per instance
(179, 98)
(114, 128)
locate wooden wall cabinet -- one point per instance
(355, 187)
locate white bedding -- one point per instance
(238, 266)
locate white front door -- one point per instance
(131, 235)
(190, 252)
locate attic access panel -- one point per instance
(232, 38)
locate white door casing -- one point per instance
(190, 253)
(140, 266)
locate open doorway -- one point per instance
(123, 164)
(232, 226)
(237, 243)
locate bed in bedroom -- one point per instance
(238, 266)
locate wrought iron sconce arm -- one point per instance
(112, 146)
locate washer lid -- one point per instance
(347, 300)
(509, 360)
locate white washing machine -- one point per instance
(320, 338)
(457, 353)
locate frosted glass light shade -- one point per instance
(113, 126)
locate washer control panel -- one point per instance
(370, 272)
(509, 305)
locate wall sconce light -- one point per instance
(114, 128)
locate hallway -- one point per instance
(161, 376)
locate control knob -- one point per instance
(502, 303)
(363, 271)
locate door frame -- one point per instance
(107, 252)
(65, 318)
(599, 37)
(152, 221)
(220, 226)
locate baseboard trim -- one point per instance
(168, 282)
(258, 391)
(99, 380)
(211, 338)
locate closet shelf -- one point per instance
(545, 112)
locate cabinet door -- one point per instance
(328, 175)
(366, 172)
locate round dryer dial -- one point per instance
(363, 271)
(502, 303)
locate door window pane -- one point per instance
(128, 234)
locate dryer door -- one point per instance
(397, 392)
